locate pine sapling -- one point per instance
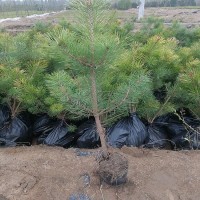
(93, 84)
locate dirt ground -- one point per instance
(47, 173)
(188, 17)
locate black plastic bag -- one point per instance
(7, 143)
(129, 131)
(17, 130)
(180, 128)
(57, 135)
(43, 124)
(194, 139)
(88, 136)
(4, 115)
(157, 137)
(179, 132)
(176, 130)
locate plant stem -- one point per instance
(161, 108)
(16, 109)
(96, 113)
(100, 128)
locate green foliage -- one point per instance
(42, 27)
(64, 23)
(72, 94)
(21, 91)
(23, 49)
(153, 26)
(159, 57)
(95, 46)
(123, 31)
(152, 60)
(48, 69)
(22, 72)
(6, 43)
(150, 27)
(188, 84)
(185, 36)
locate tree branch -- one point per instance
(121, 102)
(77, 59)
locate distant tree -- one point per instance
(124, 4)
(173, 3)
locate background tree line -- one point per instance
(126, 4)
(56, 5)
(29, 5)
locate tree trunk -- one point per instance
(101, 131)
(141, 9)
(95, 109)
(100, 128)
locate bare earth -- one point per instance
(47, 173)
(188, 17)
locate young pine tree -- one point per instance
(188, 85)
(22, 68)
(160, 58)
(92, 84)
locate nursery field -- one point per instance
(96, 106)
(189, 17)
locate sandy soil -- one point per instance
(46, 173)
(188, 17)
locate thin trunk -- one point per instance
(100, 128)
(95, 109)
